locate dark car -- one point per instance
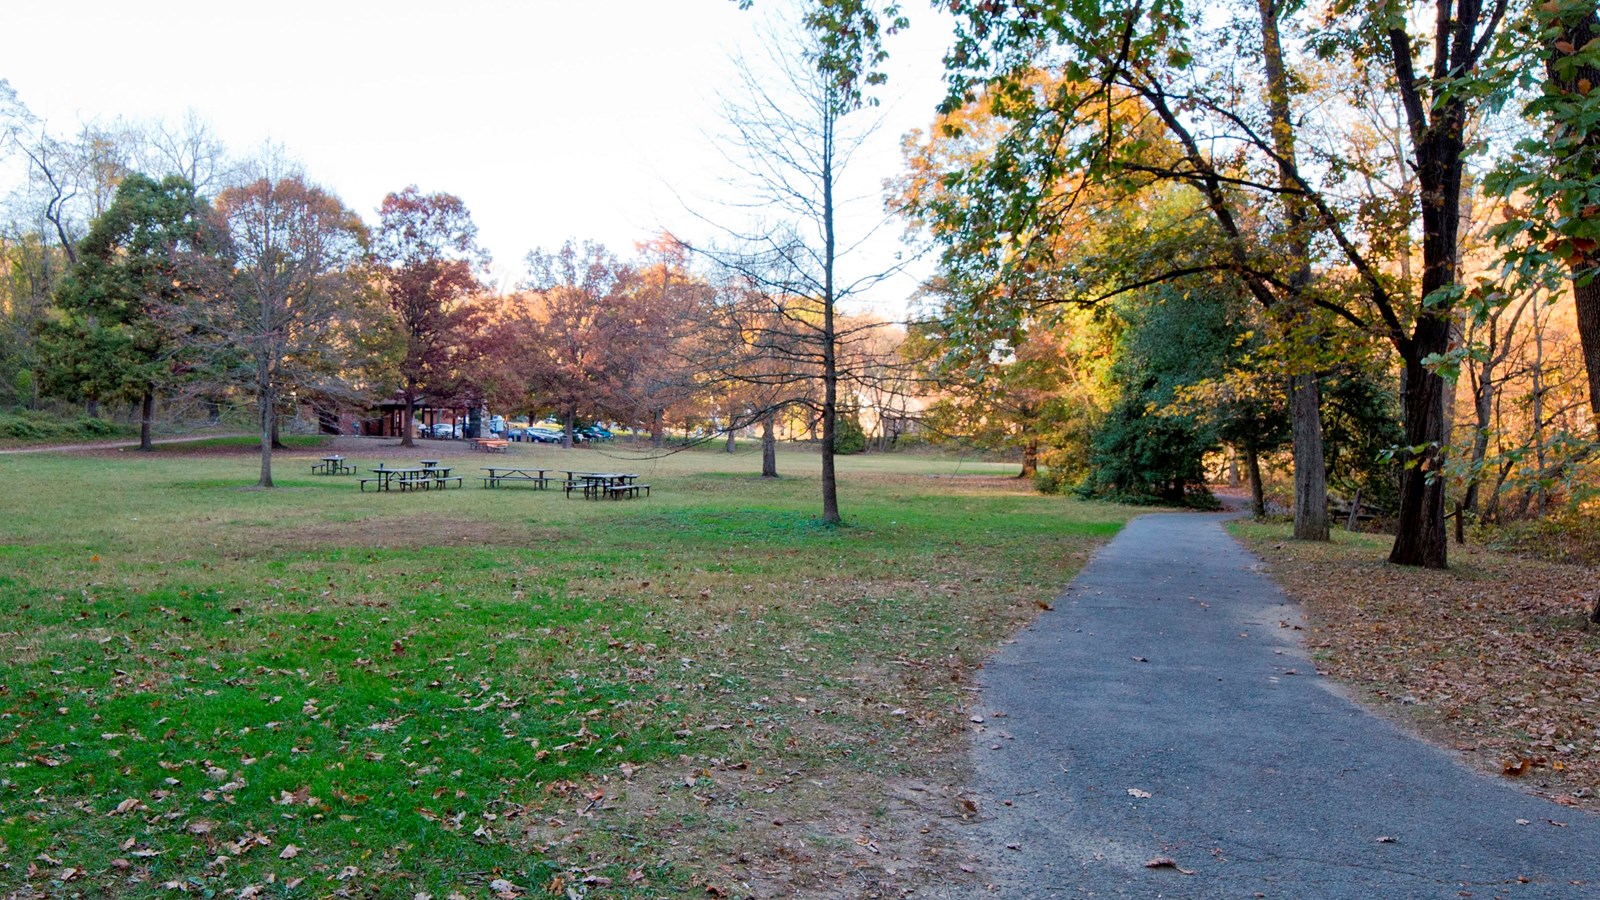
(543, 436)
(595, 433)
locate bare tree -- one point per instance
(796, 122)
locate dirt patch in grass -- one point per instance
(1492, 659)
(840, 781)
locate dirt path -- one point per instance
(1167, 711)
(111, 445)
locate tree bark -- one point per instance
(830, 354)
(1438, 125)
(268, 420)
(1586, 296)
(658, 430)
(769, 446)
(1258, 494)
(1030, 458)
(1305, 395)
(406, 439)
(1578, 26)
(1420, 538)
(730, 447)
(1310, 467)
(147, 415)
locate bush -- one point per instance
(1051, 481)
(847, 434)
(36, 426)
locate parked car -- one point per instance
(441, 430)
(595, 433)
(543, 436)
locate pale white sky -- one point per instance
(549, 118)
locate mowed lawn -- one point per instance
(309, 690)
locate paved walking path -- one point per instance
(1164, 710)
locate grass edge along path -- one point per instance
(308, 691)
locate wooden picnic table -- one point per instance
(499, 474)
(491, 445)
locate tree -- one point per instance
(590, 327)
(675, 303)
(427, 254)
(795, 128)
(292, 301)
(111, 334)
(1124, 67)
(1558, 171)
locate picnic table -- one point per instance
(499, 474)
(606, 485)
(423, 477)
(491, 445)
(332, 465)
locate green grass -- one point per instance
(410, 689)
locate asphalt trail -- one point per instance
(1171, 668)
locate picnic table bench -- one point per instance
(491, 445)
(499, 474)
(421, 478)
(332, 465)
(606, 485)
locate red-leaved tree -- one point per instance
(427, 254)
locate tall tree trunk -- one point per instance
(1258, 493)
(830, 357)
(1587, 298)
(268, 420)
(1310, 467)
(1305, 395)
(147, 416)
(769, 446)
(731, 430)
(1437, 130)
(1420, 536)
(277, 439)
(658, 428)
(1030, 458)
(1577, 25)
(1483, 408)
(1539, 454)
(406, 427)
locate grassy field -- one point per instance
(311, 691)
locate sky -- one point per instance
(551, 119)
